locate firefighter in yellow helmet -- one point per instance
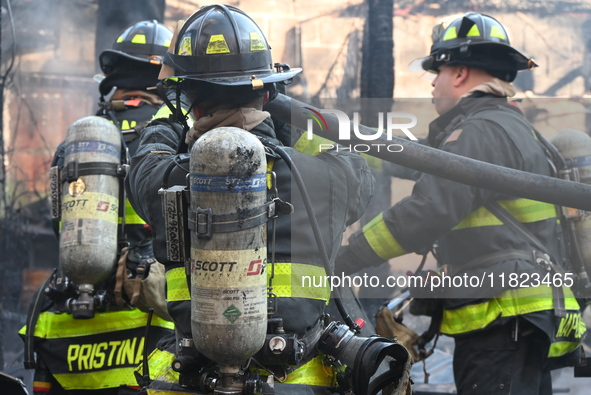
(95, 351)
(508, 334)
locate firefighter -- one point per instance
(98, 355)
(508, 335)
(222, 72)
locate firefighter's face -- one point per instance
(445, 88)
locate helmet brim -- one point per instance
(266, 76)
(428, 63)
(420, 64)
(110, 59)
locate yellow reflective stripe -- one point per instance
(177, 289)
(373, 162)
(58, 326)
(313, 372)
(131, 217)
(164, 112)
(160, 366)
(469, 318)
(508, 304)
(310, 147)
(524, 210)
(450, 34)
(473, 32)
(381, 240)
(111, 378)
(289, 281)
(497, 31)
(270, 163)
(558, 349)
(139, 39)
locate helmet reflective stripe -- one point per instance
(473, 32)
(496, 31)
(139, 39)
(450, 34)
(223, 45)
(475, 40)
(142, 42)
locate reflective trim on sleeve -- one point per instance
(311, 147)
(298, 280)
(373, 162)
(177, 289)
(164, 112)
(380, 239)
(525, 210)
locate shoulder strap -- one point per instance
(545, 260)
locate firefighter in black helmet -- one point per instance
(220, 74)
(508, 334)
(137, 283)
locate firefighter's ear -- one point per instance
(266, 98)
(197, 112)
(271, 92)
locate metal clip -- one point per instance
(204, 226)
(271, 301)
(542, 259)
(70, 171)
(256, 83)
(277, 206)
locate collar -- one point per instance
(449, 121)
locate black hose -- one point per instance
(145, 364)
(444, 164)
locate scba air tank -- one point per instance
(228, 245)
(90, 200)
(575, 147)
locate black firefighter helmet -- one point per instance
(222, 45)
(136, 57)
(475, 40)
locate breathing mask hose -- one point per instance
(315, 227)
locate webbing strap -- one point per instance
(510, 220)
(525, 210)
(205, 223)
(74, 169)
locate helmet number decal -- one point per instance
(217, 44)
(256, 44)
(185, 47)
